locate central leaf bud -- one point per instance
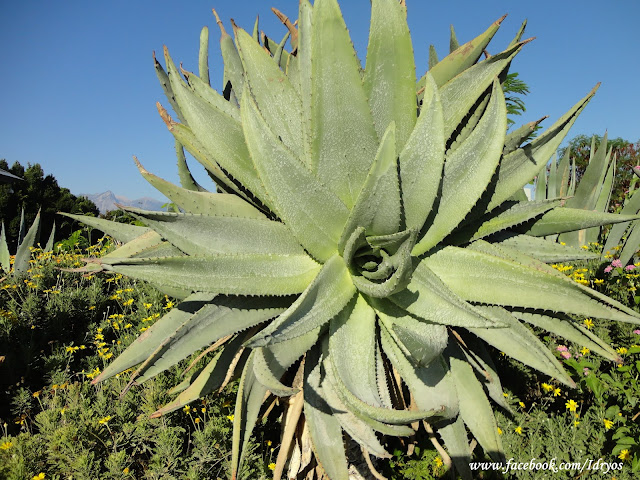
(380, 265)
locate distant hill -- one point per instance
(107, 201)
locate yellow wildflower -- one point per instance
(624, 455)
(169, 305)
(36, 394)
(499, 431)
(187, 409)
(6, 445)
(521, 404)
(621, 350)
(607, 423)
(104, 420)
(126, 470)
(272, 466)
(556, 392)
(585, 351)
(588, 323)
(546, 387)
(518, 430)
(40, 476)
(197, 420)
(147, 305)
(571, 405)
(128, 302)
(230, 417)
(438, 462)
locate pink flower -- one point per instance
(616, 263)
(628, 268)
(637, 332)
(565, 355)
(585, 370)
(562, 348)
(608, 269)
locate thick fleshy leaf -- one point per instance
(221, 317)
(390, 72)
(152, 338)
(204, 234)
(323, 299)
(384, 415)
(544, 250)
(5, 257)
(304, 70)
(564, 327)
(430, 385)
(221, 136)
(455, 438)
(325, 429)
(203, 55)
(515, 139)
(479, 358)
(462, 92)
(186, 179)
(357, 428)
(515, 215)
(422, 158)
(201, 88)
(467, 273)
(631, 207)
(122, 232)
(467, 172)
(312, 212)
(247, 274)
(565, 219)
(274, 95)
(427, 297)
(518, 342)
(344, 144)
(202, 202)
(591, 182)
(250, 396)
(209, 379)
(233, 78)
(352, 341)
(475, 409)
(272, 361)
(519, 167)
(377, 209)
(630, 245)
(147, 245)
(462, 58)
(422, 342)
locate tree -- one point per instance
(39, 191)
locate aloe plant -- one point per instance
(25, 242)
(368, 244)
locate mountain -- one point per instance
(107, 201)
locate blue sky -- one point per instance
(78, 88)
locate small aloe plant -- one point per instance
(368, 245)
(25, 242)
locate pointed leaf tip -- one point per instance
(166, 118)
(219, 22)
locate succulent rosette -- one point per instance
(369, 242)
